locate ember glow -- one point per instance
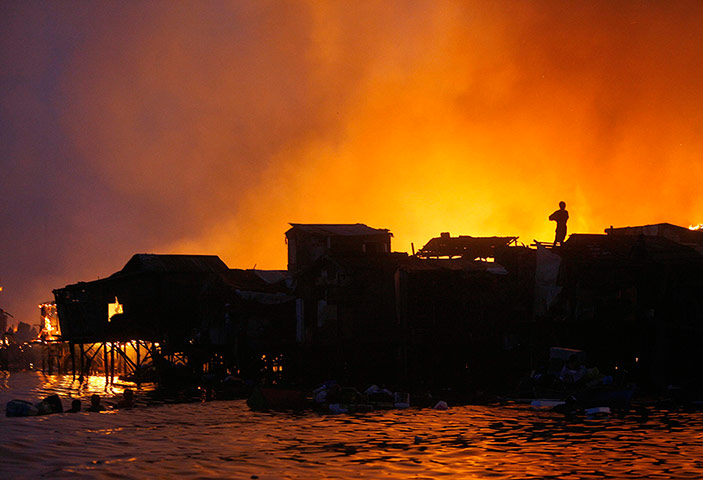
(49, 327)
(206, 127)
(114, 309)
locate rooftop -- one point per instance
(339, 229)
(149, 262)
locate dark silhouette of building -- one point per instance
(309, 242)
(467, 312)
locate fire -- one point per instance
(210, 126)
(49, 326)
(696, 227)
(114, 309)
(479, 134)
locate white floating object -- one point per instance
(546, 403)
(597, 410)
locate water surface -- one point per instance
(224, 439)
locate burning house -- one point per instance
(154, 297)
(182, 308)
(464, 311)
(149, 307)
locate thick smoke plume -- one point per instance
(204, 127)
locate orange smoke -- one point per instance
(215, 125)
(480, 121)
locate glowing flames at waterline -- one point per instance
(49, 328)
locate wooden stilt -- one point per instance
(120, 361)
(137, 366)
(72, 346)
(81, 348)
(62, 358)
(112, 363)
(105, 365)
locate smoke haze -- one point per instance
(205, 127)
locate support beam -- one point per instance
(105, 365)
(81, 347)
(112, 363)
(137, 367)
(72, 346)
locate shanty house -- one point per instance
(633, 299)
(346, 316)
(309, 242)
(154, 298)
(249, 320)
(390, 317)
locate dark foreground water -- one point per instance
(226, 440)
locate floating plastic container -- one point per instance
(20, 408)
(337, 408)
(563, 354)
(597, 411)
(546, 403)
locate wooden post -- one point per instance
(73, 358)
(137, 374)
(62, 358)
(121, 364)
(49, 362)
(81, 348)
(112, 363)
(106, 365)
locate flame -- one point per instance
(207, 127)
(49, 326)
(114, 309)
(696, 227)
(478, 134)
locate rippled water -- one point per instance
(225, 439)
(34, 386)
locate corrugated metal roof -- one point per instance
(628, 247)
(463, 245)
(339, 229)
(272, 276)
(651, 229)
(147, 262)
(271, 281)
(672, 232)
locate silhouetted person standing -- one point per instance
(560, 216)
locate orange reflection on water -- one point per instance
(68, 386)
(227, 439)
